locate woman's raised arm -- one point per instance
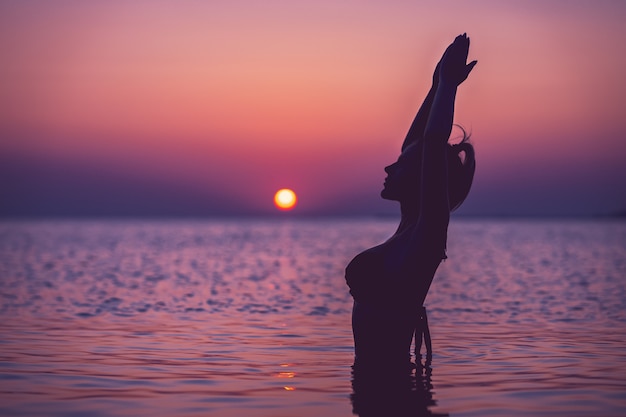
(431, 228)
(416, 131)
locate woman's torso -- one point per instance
(374, 278)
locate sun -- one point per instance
(285, 199)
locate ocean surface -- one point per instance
(252, 318)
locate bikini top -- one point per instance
(364, 274)
(370, 282)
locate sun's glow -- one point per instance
(285, 199)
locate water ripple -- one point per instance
(253, 318)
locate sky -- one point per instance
(202, 108)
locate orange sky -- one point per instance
(241, 98)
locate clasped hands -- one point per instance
(453, 67)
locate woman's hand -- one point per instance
(453, 67)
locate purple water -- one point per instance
(252, 317)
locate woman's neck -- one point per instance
(408, 217)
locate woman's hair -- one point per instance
(460, 170)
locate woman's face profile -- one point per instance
(402, 181)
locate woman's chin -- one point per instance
(386, 195)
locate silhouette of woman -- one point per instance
(389, 282)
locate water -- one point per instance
(251, 317)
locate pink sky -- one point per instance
(231, 100)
